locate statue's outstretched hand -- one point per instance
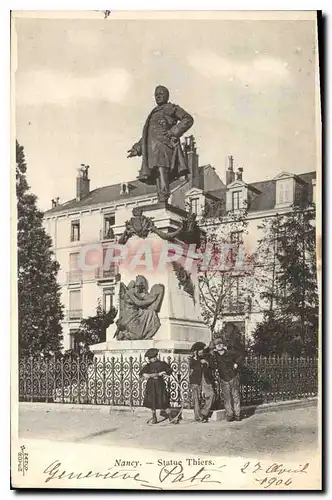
(131, 152)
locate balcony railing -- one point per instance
(234, 307)
(106, 274)
(74, 276)
(74, 315)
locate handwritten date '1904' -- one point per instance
(274, 475)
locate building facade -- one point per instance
(84, 227)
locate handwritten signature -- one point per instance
(167, 475)
(276, 474)
(175, 475)
(55, 471)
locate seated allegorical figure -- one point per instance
(138, 315)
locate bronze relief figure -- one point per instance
(138, 315)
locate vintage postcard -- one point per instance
(166, 256)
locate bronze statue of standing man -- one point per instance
(163, 160)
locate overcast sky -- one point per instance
(85, 87)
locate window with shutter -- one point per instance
(108, 295)
(75, 310)
(109, 222)
(75, 274)
(285, 191)
(75, 231)
(194, 205)
(236, 200)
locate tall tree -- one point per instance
(266, 259)
(292, 323)
(39, 306)
(226, 279)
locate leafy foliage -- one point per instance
(291, 323)
(92, 330)
(250, 377)
(39, 306)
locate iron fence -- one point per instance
(115, 381)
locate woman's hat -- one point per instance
(151, 353)
(197, 346)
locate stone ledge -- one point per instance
(187, 414)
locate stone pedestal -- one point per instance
(180, 317)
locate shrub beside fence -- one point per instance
(115, 381)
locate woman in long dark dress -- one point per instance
(156, 396)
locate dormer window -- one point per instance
(194, 205)
(285, 191)
(236, 200)
(285, 188)
(124, 188)
(236, 195)
(195, 201)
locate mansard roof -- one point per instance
(110, 193)
(264, 199)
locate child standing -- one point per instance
(229, 356)
(201, 382)
(156, 396)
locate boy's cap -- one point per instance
(151, 353)
(216, 342)
(198, 346)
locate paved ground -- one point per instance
(283, 434)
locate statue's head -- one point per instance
(141, 283)
(161, 95)
(137, 211)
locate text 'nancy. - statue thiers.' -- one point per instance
(162, 157)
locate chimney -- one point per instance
(55, 202)
(192, 158)
(230, 174)
(239, 174)
(82, 182)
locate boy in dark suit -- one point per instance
(201, 381)
(229, 356)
